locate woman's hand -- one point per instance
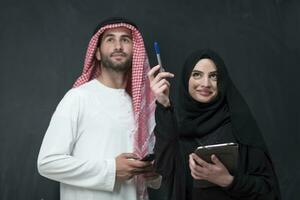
(214, 172)
(160, 86)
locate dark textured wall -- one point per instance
(42, 48)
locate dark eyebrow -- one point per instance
(126, 36)
(197, 71)
(108, 35)
(122, 36)
(213, 72)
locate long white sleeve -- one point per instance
(56, 160)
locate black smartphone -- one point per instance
(148, 157)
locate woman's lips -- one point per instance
(204, 92)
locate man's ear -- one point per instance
(98, 55)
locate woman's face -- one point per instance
(203, 81)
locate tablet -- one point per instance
(227, 153)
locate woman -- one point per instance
(210, 111)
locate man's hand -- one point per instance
(214, 172)
(160, 86)
(128, 165)
(150, 174)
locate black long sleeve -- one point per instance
(166, 146)
(255, 178)
(167, 150)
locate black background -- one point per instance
(43, 44)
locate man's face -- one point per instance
(116, 49)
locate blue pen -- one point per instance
(157, 51)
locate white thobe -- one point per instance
(90, 127)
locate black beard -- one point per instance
(117, 67)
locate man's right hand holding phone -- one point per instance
(128, 165)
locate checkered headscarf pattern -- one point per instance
(138, 86)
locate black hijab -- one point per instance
(198, 119)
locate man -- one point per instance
(102, 127)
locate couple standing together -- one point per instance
(118, 111)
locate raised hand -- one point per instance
(160, 86)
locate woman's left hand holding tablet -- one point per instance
(214, 172)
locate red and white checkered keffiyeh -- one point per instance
(138, 87)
